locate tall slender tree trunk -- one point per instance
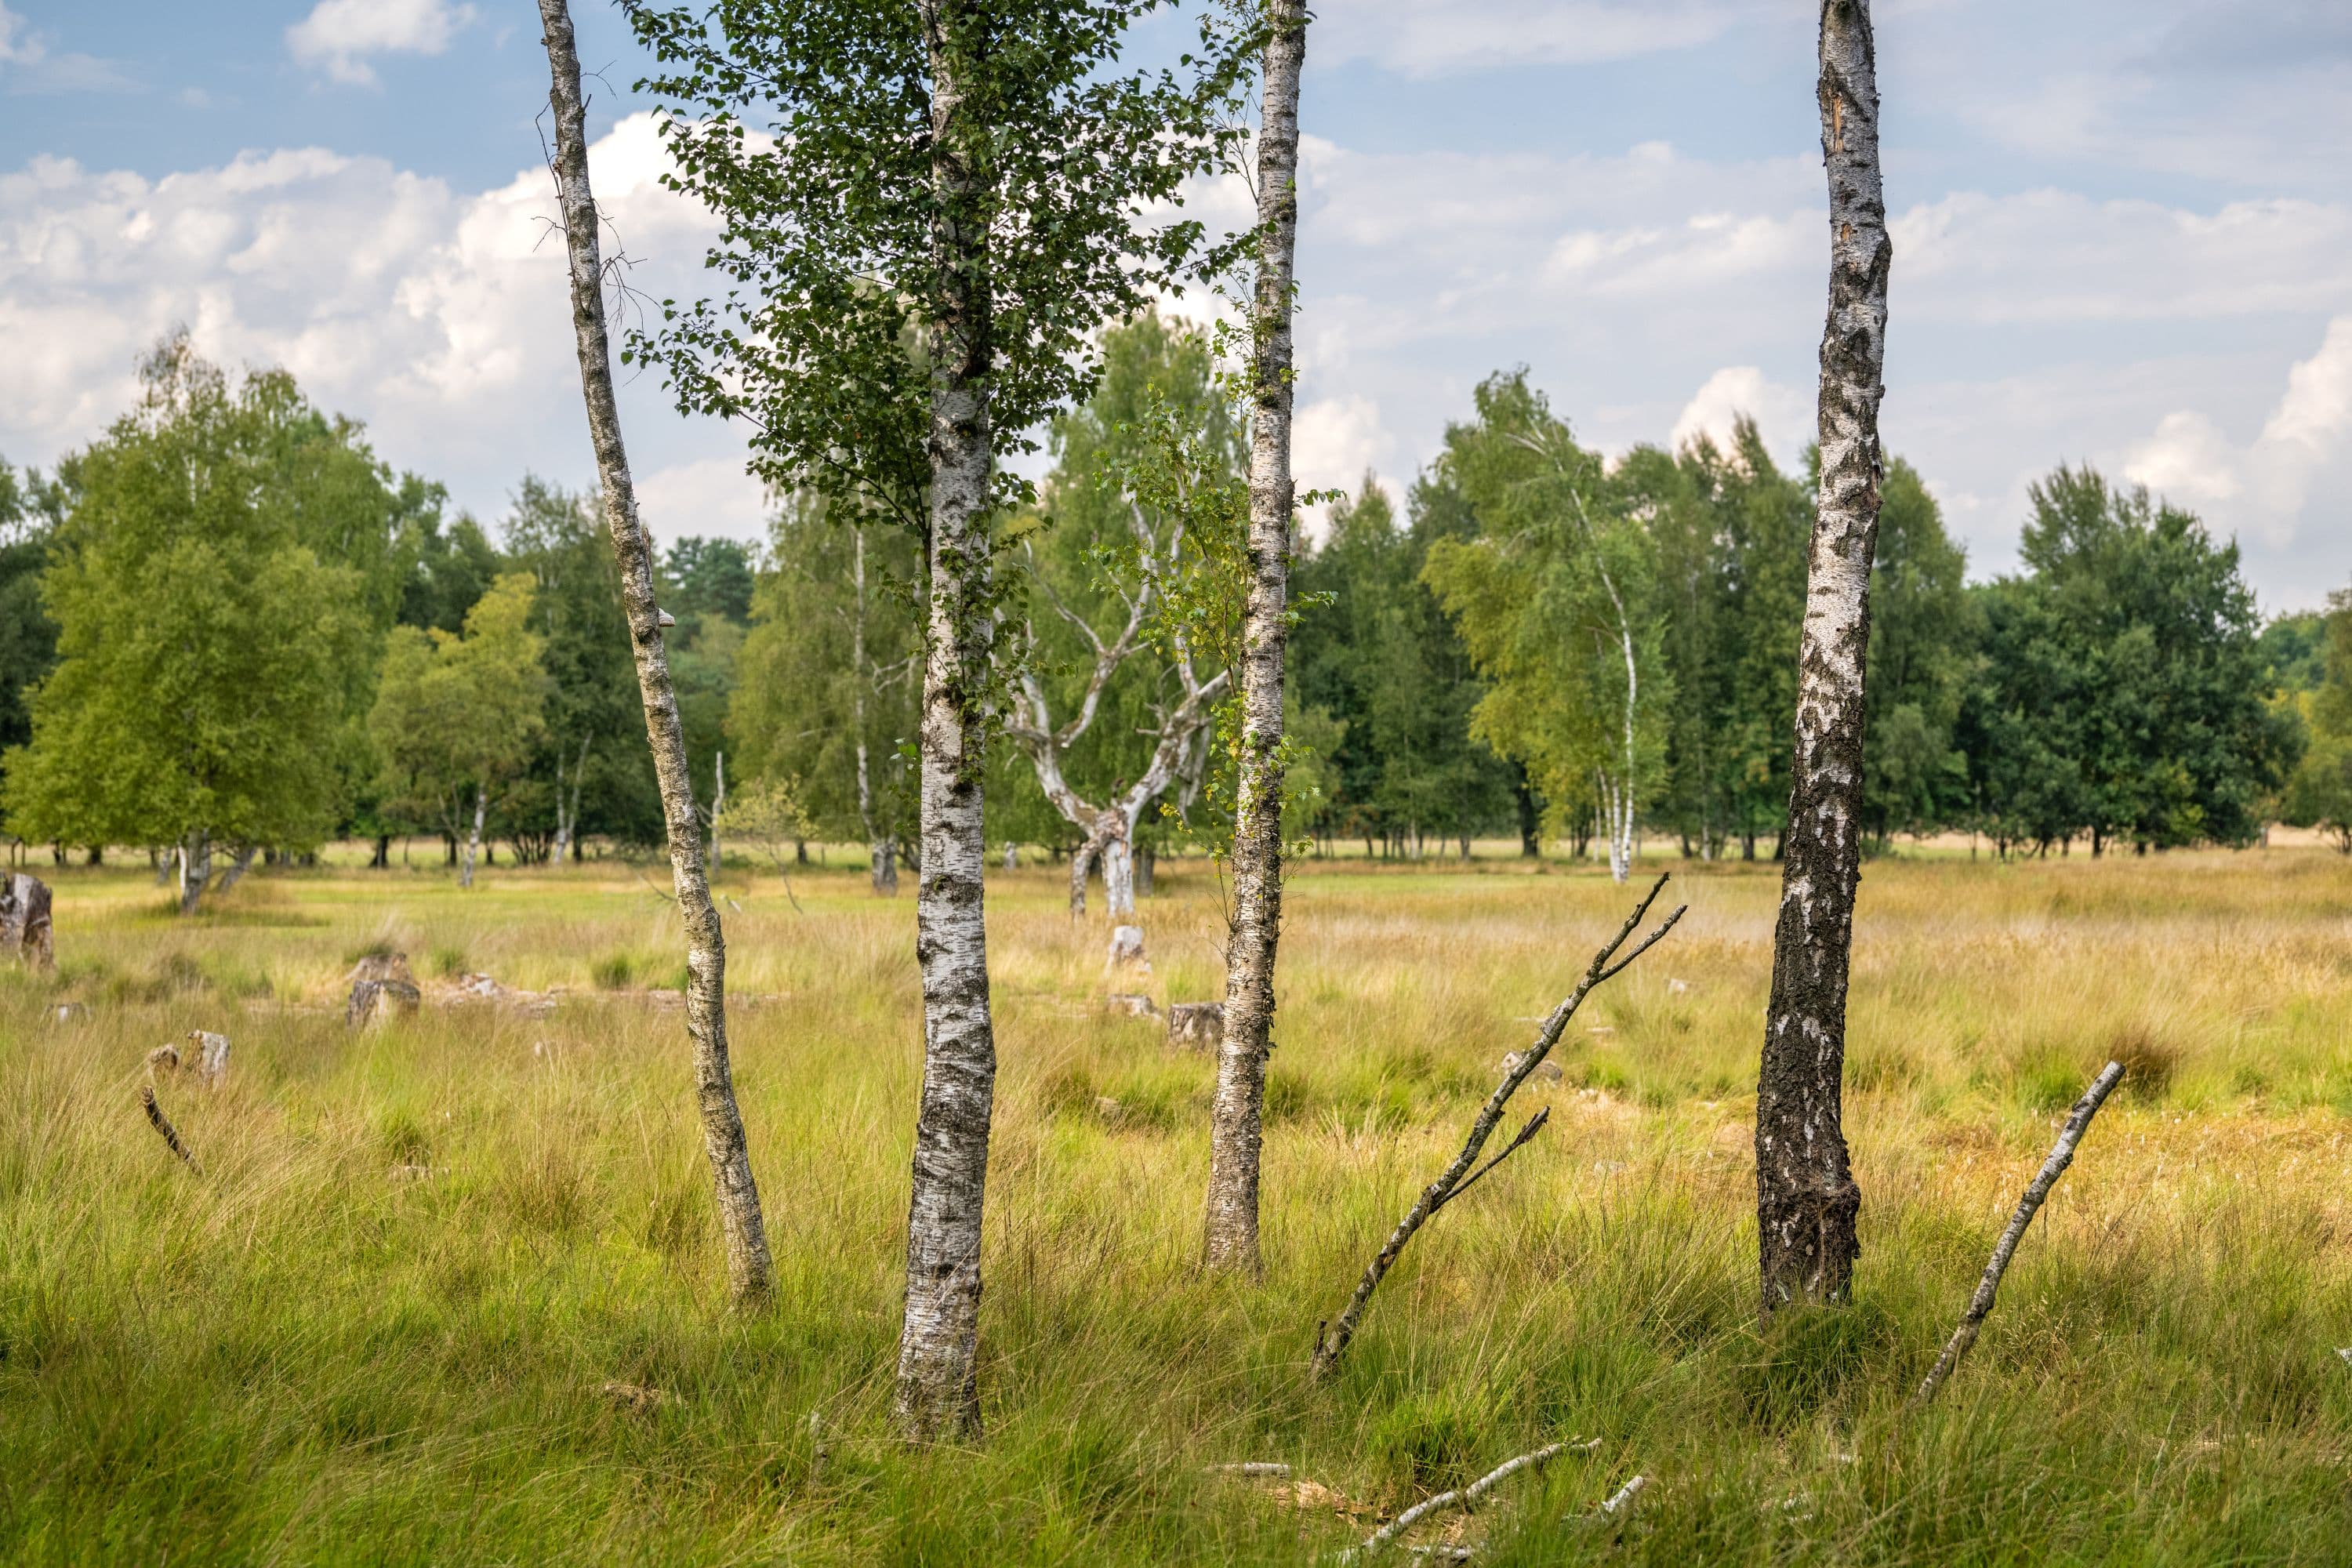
(748, 1269)
(1806, 1200)
(1236, 1130)
(939, 1343)
(879, 847)
(717, 805)
(196, 870)
(474, 836)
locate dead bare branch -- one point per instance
(1979, 1306)
(1328, 1347)
(164, 1125)
(1467, 1496)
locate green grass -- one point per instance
(377, 1326)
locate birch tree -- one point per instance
(751, 1274)
(830, 675)
(1128, 662)
(970, 177)
(207, 656)
(1806, 1199)
(1236, 1131)
(457, 718)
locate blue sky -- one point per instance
(2122, 235)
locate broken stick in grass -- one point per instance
(1467, 1496)
(1980, 1305)
(1458, 1176)
(164, 1125)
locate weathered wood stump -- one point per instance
(211, 1052)
(25, 931)
(68, 1012)
(1129, 1004)
(382, 988)
(1201, 1023)
(1126, 951)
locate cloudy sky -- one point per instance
(2122, 235)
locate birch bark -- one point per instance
(1806, 1200)
(937, 1387)
(1231, 1240)
(474, 836)
(749, 1271)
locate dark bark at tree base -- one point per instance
(1806, 1199)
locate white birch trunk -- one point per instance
(938, 1393)
(473, 837)
(1806, 1200)
(1230, 1226)
(749, 1272)
(1118, 880)
(196, 870)
(717, 805)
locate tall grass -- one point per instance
(378, 1325)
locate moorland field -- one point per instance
(383, 1322)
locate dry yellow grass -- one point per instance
(380, 1324)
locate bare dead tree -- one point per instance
(1458, 1177)
(1236, 1130)
(1806, 1200)
(749, 1271)
(2062, 1155)
(1110, 827)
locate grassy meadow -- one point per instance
(378, 1325)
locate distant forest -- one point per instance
(1545, 646)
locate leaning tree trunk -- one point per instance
(1806, 1200)
(749, 1272)
(1235, 1131)
(474, 836)
(938, 1343)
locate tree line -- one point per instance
(1544, 638)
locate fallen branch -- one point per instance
(164, 1125)
(1467, 1496)
(1980, 1305)
(1267, 1469)
(1457, 1176)
(1621, 1501)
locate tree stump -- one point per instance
(1129, 1004)
(374, 1001)
(381, 987)
(1549, 1071)
(24, 930)
(212, 1055)
(1127, 951)
(1201, 1023)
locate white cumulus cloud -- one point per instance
(441, 319)
(1780, 412)
(2263, 483)
(339, 36)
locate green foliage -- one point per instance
(593, 710)
(810, 128)
(2320, 791)
(455, 716)
(1383, 681)
(210, 659)
(29, 512)
(2121, 693)
(1556, 584)
(801, 703)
